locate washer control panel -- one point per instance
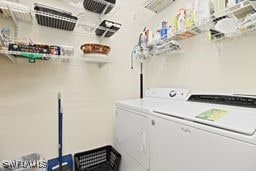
(172, 93)
(167, 93)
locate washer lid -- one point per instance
(234, 119)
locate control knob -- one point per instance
(172, 93)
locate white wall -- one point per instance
(200, 67)
(28, 101)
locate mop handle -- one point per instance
(60, 120)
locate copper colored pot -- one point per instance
(95, 48)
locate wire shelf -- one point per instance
(171, 45)
(77, 3)
(180, 35)
(15, 11)
(86, 24)
(167, 52)
(96, 58)
(238, 11)
(225, 37)
(244, 13)
(91, 58)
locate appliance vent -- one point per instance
(225, 100)
(157, 5)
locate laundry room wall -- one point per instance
(203, 66)
(28, 101)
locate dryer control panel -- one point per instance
(231, 100)
(167, 93)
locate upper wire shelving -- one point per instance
(86, 24)
(99, 59)
(243, 14)
(171, 44)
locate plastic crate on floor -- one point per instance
(100, 159)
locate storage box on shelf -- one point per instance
(107, 28)
(91, 19)
(56, 18)
(99, 6)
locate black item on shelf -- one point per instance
(216, 20)
(40, 48)
(216, 34)
(100, 159)
(13, 47)
(61, 19)
(36, 48)
(54, 50)
(99, 6)
(107, 25)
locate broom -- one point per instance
(61, 163)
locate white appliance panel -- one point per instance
(177, 147)
(128, 163)
(132, 136)
(236, 119)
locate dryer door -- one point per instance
(132, 136)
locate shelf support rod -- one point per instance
(101, 65)
(15, 23)
(13, 17)
(104, 34)
(11, 58)
(105, 9)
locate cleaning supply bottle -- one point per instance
(182, 19)
(143, 39)
(164, 30)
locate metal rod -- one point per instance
(60, 126)
(132, 58)
(104, 10)
(141, 80)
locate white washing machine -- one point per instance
(204, 133)
(133, 126)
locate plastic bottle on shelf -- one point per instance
(157, 36)
(164, 30)
(182, 19)
(170, 32)
(190, 15)
(175, 24)
(143, 39)
(149, 36)
(203, 9)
